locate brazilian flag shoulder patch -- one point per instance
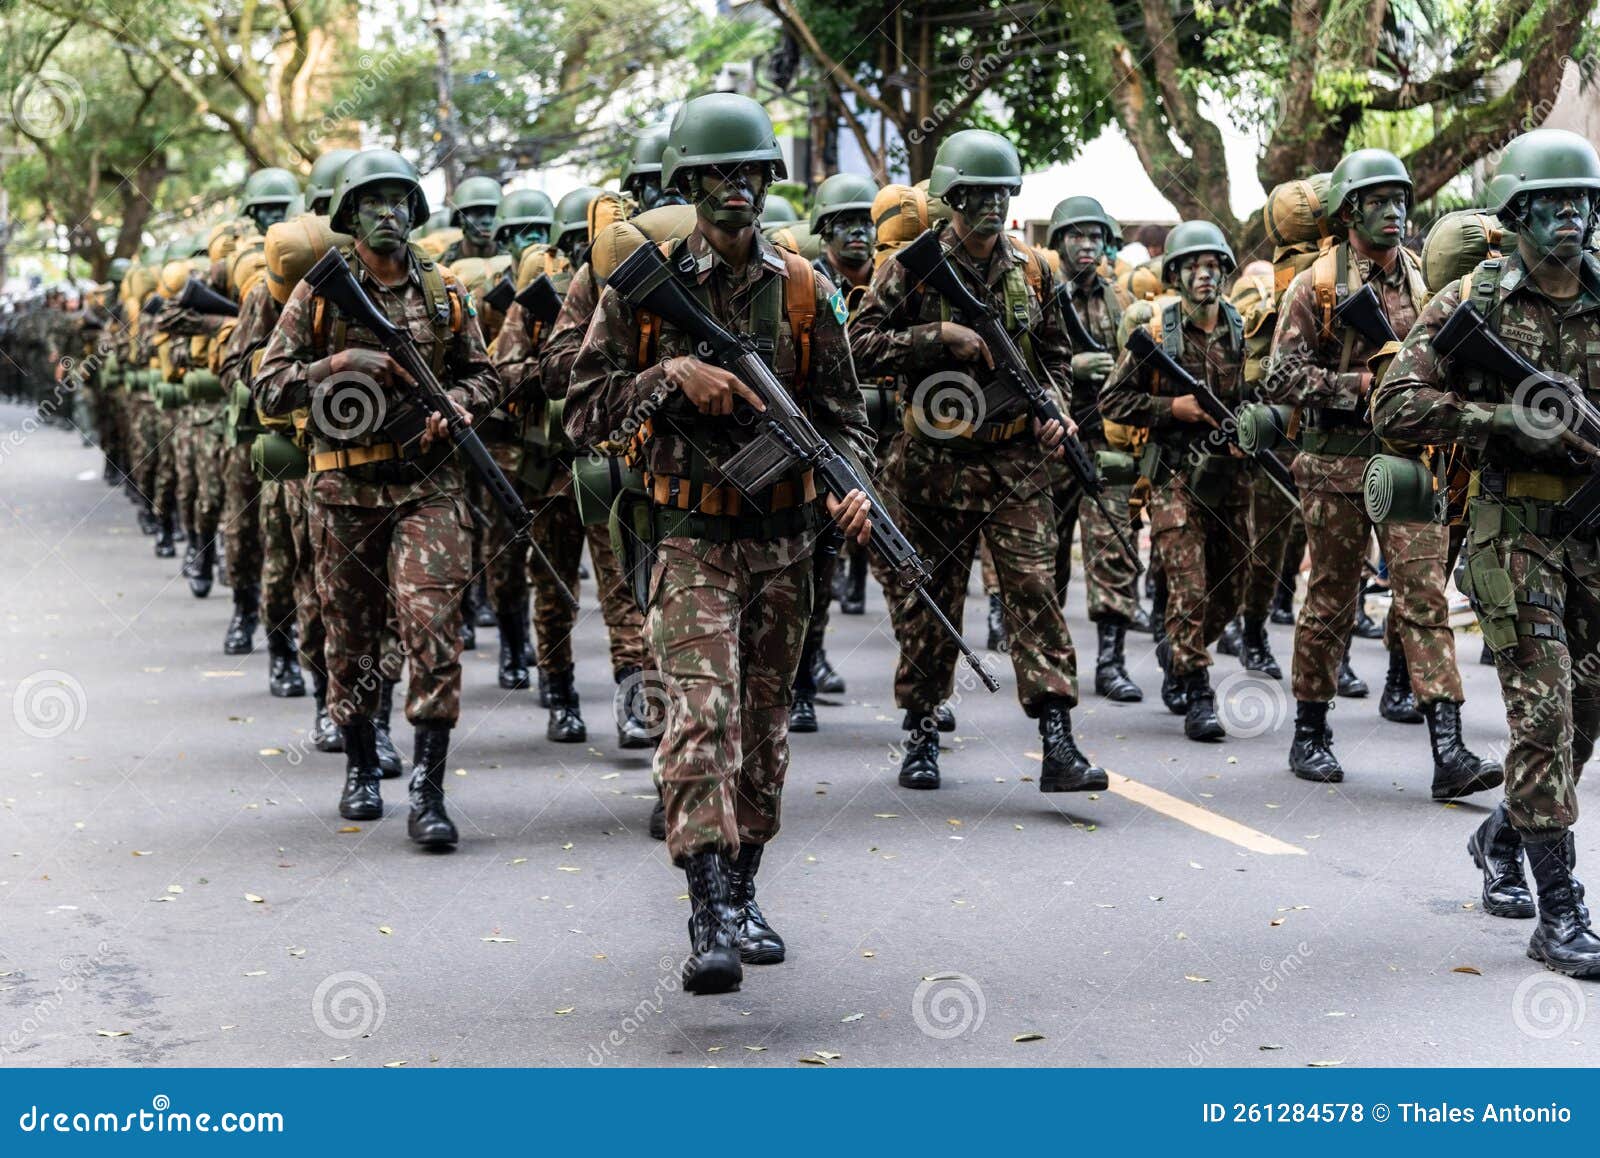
(839, 311)
(472, 306)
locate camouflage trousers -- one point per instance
(145, 433)
(726, 630)
(1205, 549)
(1279, 539)
(1021, 537)
(498, 553)
(109, 427)
(1550, 678)
(561, 534)
(1336, 533)
(417, 554)
(241, 517)
(168, 424)
(308, 605)
(186, 440)
(200, 475)
(1108, 574)
(278, 558)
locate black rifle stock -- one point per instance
(1146, 352)
(1078, 333)
(201, 298)
(541, 301)
(330, 278)
(1465, 338)
(502, 294)
(1363, 313)
(928, 263)
(786, 439)
(153, 304)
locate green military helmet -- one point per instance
(523, 207)
(1361, 170)
(1191, 237)
(269, 187)
(370, 167)
(975, 157)
(439, 220)
(474, 193)
(841, 193)
(776, 210)
(324, 172)
(118, 269)
(645, 158)
(721, 128)
(572, 214)
(1543, 159)
(1078, 211)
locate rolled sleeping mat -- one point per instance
(1399, 490)
(202, 386)
(274, 458)
(1263, 427)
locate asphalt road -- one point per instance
(176, 887)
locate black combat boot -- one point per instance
(853, 598)
(429, 824)
(544, 686)
(1111, 678)
(829, 682)
(1562, 940)
(1256, 654)
(148, 523)
(1065, 768)
(1350, 686)
(1456, 771)
(1311, 755)
(1173, 692)
(1485, 656)
(999, 638)
(325, 735)
(1366, 626)
(631, 706)
(388, 756)
(566, 722)
(944, 718)
(201, 570)
(166, 545)
(1398, 703)
(1200, 721)
(803, 695)
(1496, 849)
(713, 962)
(919, 766)
(284, 678)
(1231, 641)
(486, 615)
(360, 799)
(1141, 621)
(191, 544)
(513, 672)
(240, 639)
(759, 943)
(1282, 610)
(658, 818)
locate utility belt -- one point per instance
(1530, 502)
(675, 493)
(922, 423)
(1208, 477)
(380, 463)
(1344, 443)
(1495, 597)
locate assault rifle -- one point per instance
(331, 279)
(1466, 339)
(541, 301)
(1363, 313)
(785, 439)
(1082, 340)
(201, 298)
(1145, 351)
(927, 261)
(502, 294)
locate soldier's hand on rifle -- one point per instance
(711, 389)
(1525, 428)
(438, 429)
(964, 343)
(852, 516)
(1052, 434)
(372, 364)
(1187, 408)
(1092, 366)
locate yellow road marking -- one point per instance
(1211, 823)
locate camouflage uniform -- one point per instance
(1321, 373)
(1279, 543)
(386, 527)
(948, 492)
(1200, 493)
(1549, 679)
(728, 597)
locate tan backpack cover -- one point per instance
(614, 245)
(900, 215)
(1296, 211)
(292, 247)
(436, 243)
(537, 259)
(607, 209)
(1457, 243)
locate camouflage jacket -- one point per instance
(609, 396)
(457, 250)
(895, 334)
(280, 386)
(1137, 396)
(1425, 399)
(560, 349)
(258, 314)
(1096, 303)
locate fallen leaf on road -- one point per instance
(1269, 1047)
(297, 952)
(565, 1011)
(114, 1032)
(852, 1017)
(256, 973)
(253, 899)
(611, 775)
(393, 1065)
(756, 1048)
(1022, 1037)
(141, 852)
(811, 1061)
(1197, 977)
(566, 868)
(1472, 969)
(174, 888)
(868, 953)
(340, 1057)
(827, 1055)
(271, 752)
(386, 930)
(349, 828)
(1317, 1065)
(499, 940)
(886, 815)
(519, 860)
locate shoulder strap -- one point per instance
(649, 324)
(1326, 274)
(1171, 332)
(1235, 321)
(800, 302)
